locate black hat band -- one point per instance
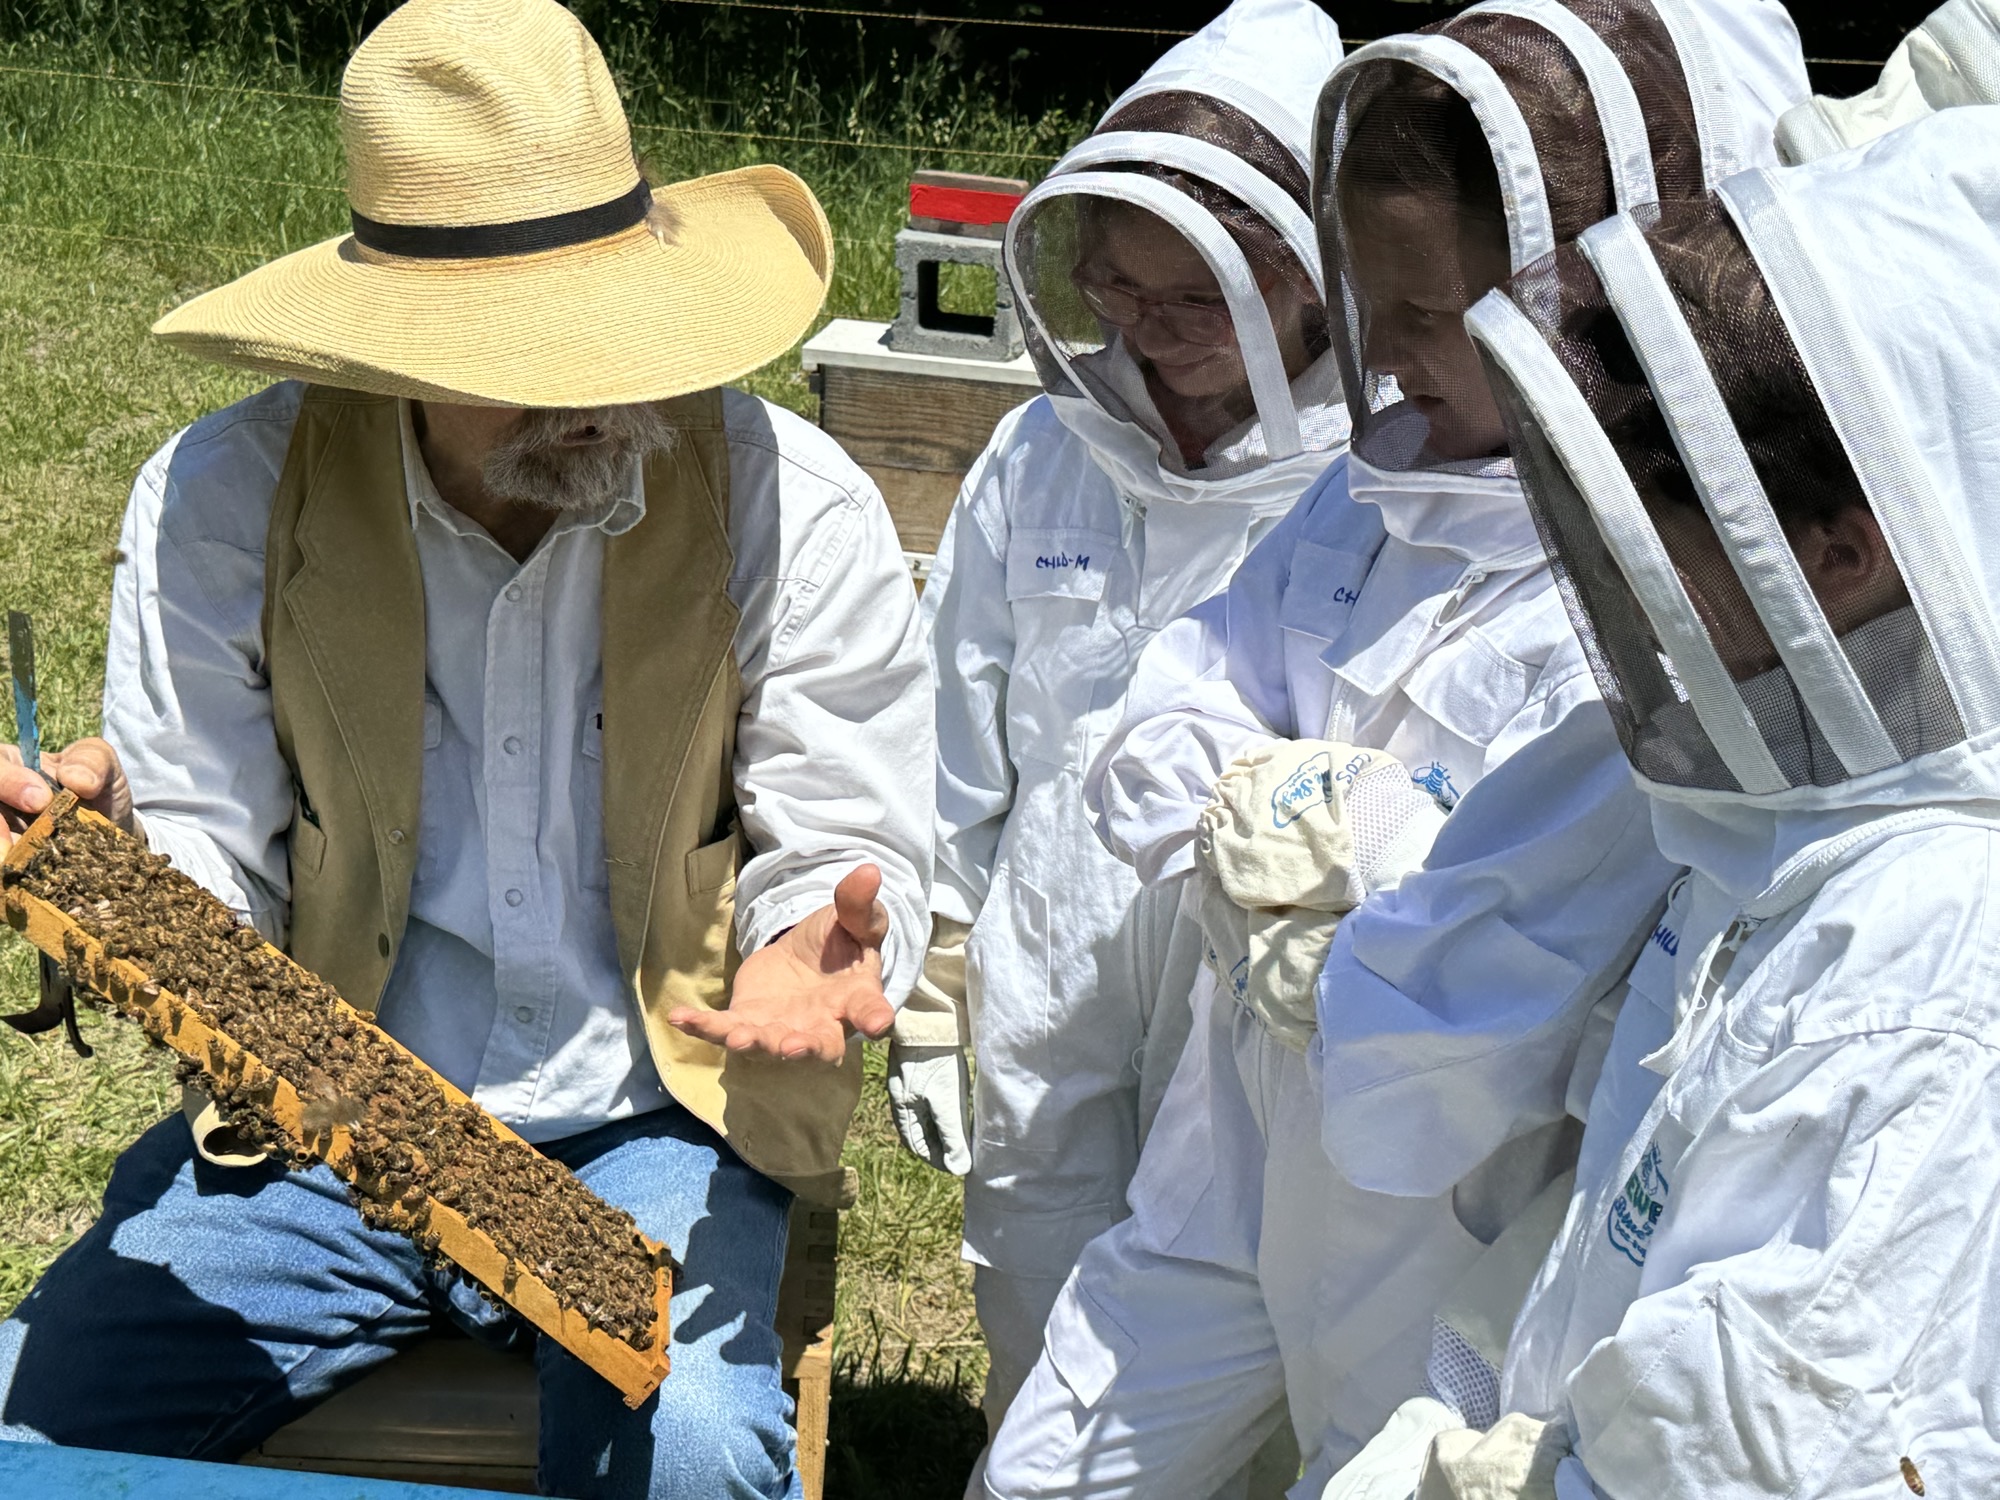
(522, 237)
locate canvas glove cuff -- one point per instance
(1387, 1468)
(1297, 833)
(1515, 1460)
(930, 1084)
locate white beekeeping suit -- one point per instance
(1425, 1064)
(1171, 285)
(1953, 58)
(1758, 432)
(1405, 607)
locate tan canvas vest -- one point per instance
(344, 645)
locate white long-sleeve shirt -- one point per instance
(508, 981)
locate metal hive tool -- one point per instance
(130, 988)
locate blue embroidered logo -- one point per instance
(1239, 978)
(1309, 785)
(1636, 1213)
(1060, 560)
(1436, 780)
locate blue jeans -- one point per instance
(209, 1306)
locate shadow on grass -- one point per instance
(901, 1428)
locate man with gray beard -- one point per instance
(559, 707)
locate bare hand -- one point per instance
(89, 768)
(803, 994)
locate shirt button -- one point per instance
(395, 835)
(513, 593)
(524, 1014)
(515, 898)
(511, 745)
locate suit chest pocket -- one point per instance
(1320, 595)
(1056, 581)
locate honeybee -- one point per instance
(1911, 1477)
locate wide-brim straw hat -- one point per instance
(505, 249)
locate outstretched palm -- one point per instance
(801, 995)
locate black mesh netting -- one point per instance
(1414, 220)
(1805, 473)
(1645, 49)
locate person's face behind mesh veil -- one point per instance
(1140, 283)
(1425, 238)
(1838, 603)
(1101, 271)
(1811, 485)
(1143, 281)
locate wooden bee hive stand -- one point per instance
(636, 1373)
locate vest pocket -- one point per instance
(713, 866)
(308, 843)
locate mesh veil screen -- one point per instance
(1413, 222)
(1811, 484)
(1798, 458)
(1136, 310)
(1414, 229)
(1648, 706)
(1644, 47)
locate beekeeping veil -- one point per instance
(1169, 275)
(1953, 58)
(1759, 437)
(1447, 159)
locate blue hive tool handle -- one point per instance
(21, 662)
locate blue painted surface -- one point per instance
(32, 1471)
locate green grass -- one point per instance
(119, 198)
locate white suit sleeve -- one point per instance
(834, 745)
(971, 640)
(1208, 688)
(1816, 1304)
(1450, 1006)
(186, 702)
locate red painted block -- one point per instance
(961, 203)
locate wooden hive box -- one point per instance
(914, 422)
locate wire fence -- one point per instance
(638, 127)
(1035, 23)
(926, 18)
(853, 143)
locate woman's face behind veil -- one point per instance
(1416, 266)
(1148, 285)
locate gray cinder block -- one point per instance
(922, 327)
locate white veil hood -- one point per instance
(1269, 58)
(1877, 264)
(1264, 62)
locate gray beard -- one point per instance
(533, 467)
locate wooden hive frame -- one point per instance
(636, 1373)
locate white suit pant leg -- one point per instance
(1161, 1374)
(1160, 1380)
(1013, 1310)
(1352, 1280)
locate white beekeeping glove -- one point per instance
(1297, 833)
(930, 1085)
(1515, 1461)
(1387, 1468)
